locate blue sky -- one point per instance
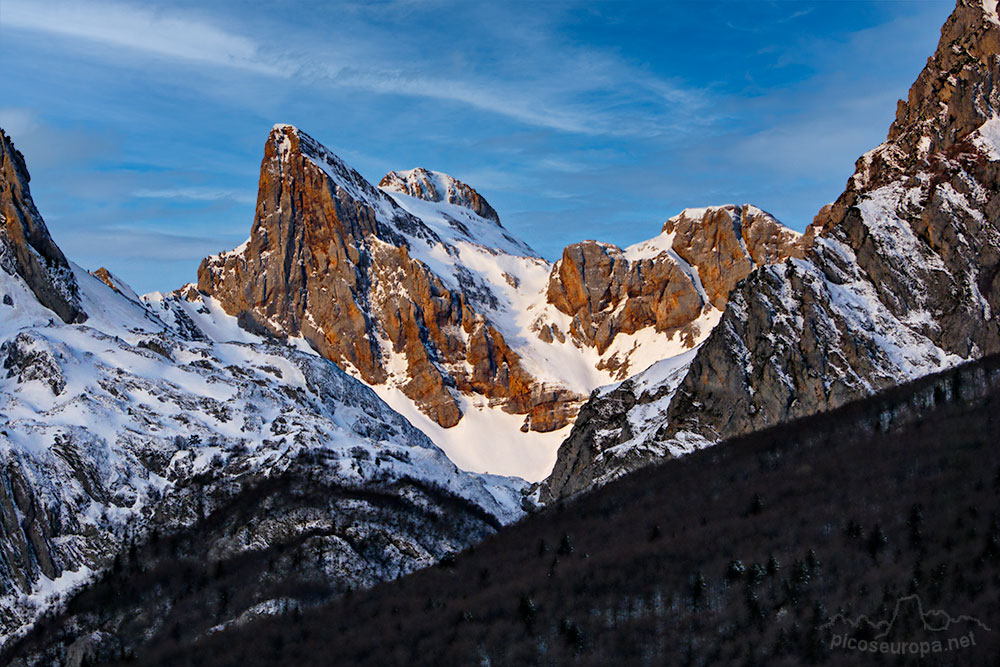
(143, 123)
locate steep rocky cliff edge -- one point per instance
(900, 281)
(26, 249)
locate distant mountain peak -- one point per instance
(436, 186)
(378, 283)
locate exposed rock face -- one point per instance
(26, 249)
(668, 282)
(26, 360)
(329, 259)
(726, 243)
(105, 277)
(593, 279)
(625, 412)
(435, 186)
(901, 280)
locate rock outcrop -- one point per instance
(606, 294)
(900, 281)
(107, 278)
(437, 187)
(670, 281)
(26, 248)
(726, 243)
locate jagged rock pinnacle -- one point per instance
(26, 248)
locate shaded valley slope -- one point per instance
(739, 554)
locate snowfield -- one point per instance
(102, 423)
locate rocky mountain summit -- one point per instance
(899, 281)
(417, 289)
(434, 186)
(669, 282)
(337, 261)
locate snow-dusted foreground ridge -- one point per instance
(901, 280)
(106, 424)
(155, 413)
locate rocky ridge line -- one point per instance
(901, 281)
(668, 282)
(437, 187)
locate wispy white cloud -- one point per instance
(552, 85)
(126, 26)
(93, 244)
(197, 194)
(521, 105)
(48, 146)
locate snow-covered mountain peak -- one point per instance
(436, 186)
(415, 296)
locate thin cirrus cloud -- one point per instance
(126, 26)
(197, 194)
(135, 244)
(566, 99)
(536, 104)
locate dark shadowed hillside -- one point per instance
(738, 555)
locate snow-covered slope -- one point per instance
(435, 186)
(106, 424)
(515, 281)
(509, 284)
